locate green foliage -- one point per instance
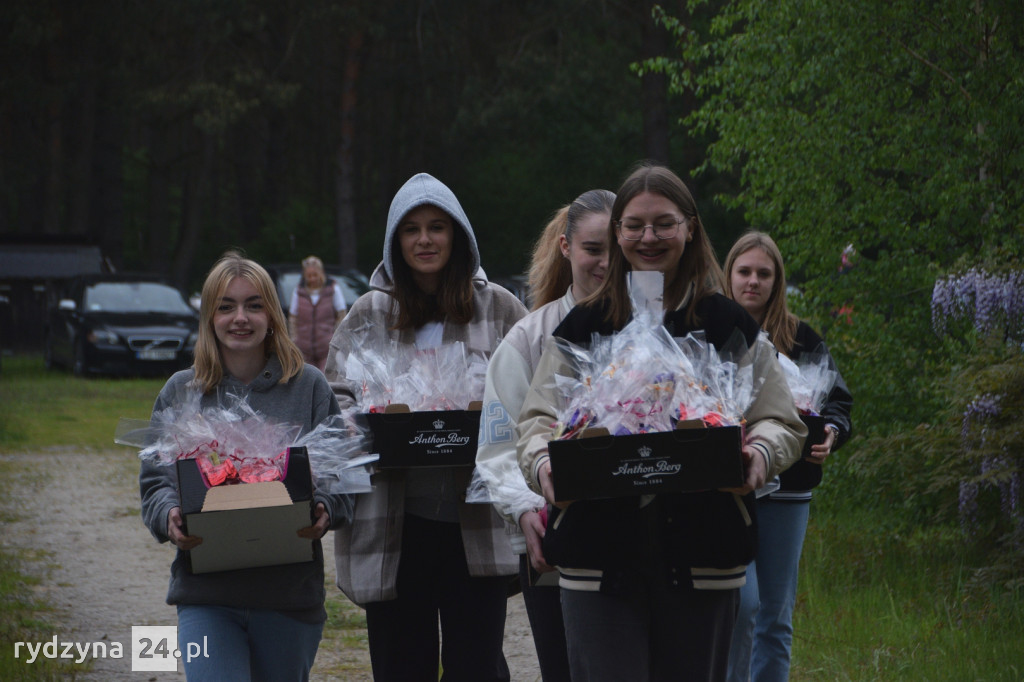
(47, 408)
(886, 125)
(891, 126)
(298, 230)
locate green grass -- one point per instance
(877, 604)
(23, 618)
(52, 408)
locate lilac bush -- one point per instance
(991, 303)
(993, 306)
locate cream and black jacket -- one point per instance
(705, 539)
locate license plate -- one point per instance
(156, 354)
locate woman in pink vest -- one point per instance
(316, 308)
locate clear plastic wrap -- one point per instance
(642, 380)
(386, 372)
(235, 444)
(811, 379)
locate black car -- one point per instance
(286, 277)
(121, 324)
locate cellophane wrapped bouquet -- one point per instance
(642, 380)
(233, 443)
(385, 372)
(810, 379)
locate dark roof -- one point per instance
(48, 261)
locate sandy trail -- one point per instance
(75, 518)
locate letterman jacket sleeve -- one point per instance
(773, 425)
(536, 423)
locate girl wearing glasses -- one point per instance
(570, 260)
(763, 638)
(650, 585)
(415, 551)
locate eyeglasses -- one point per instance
(663, 229)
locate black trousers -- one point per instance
(434, 583)
(544, 608)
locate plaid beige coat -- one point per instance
(367, 550)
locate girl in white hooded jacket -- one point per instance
(569, 264)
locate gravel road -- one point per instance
(74, 518)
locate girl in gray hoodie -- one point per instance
(415, 551)
(260, 623)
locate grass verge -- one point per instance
(23, 618)
(880, 602)
(52, 408)
(45, 409)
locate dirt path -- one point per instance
(75, 518)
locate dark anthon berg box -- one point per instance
(247, 525)
(424, 439)
(815, 432)
(690, 458)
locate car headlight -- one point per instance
(192, 339)
(104, 336)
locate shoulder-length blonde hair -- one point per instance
(550, 272)
(207, 362)
(698, 266)
(778, 321)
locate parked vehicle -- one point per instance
(519, 286)
(286, 276)
(121, 324)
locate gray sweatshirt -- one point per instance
(297, 589)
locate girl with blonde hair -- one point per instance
(569, 263)
(763, 638)
(260, 623)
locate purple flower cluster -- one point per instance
(988, 301)
(968, 508)
(982, 408)
(999, 471)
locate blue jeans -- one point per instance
(245, 644)
(763, 638)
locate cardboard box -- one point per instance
(688, 459)
(815, 432)
(424, 439)
(247, 525)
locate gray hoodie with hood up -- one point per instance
(367, 550)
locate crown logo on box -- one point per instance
(438, 424)
(645, 451)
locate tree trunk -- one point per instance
(107, 215)
(82, 178)
(654, 89)
(52, 194)
(196, 183)
(157, 234)
(345, 219)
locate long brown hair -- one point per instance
(778, 321)
(454, 298)
(550, 272)
(207, 364)
(698, 267)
